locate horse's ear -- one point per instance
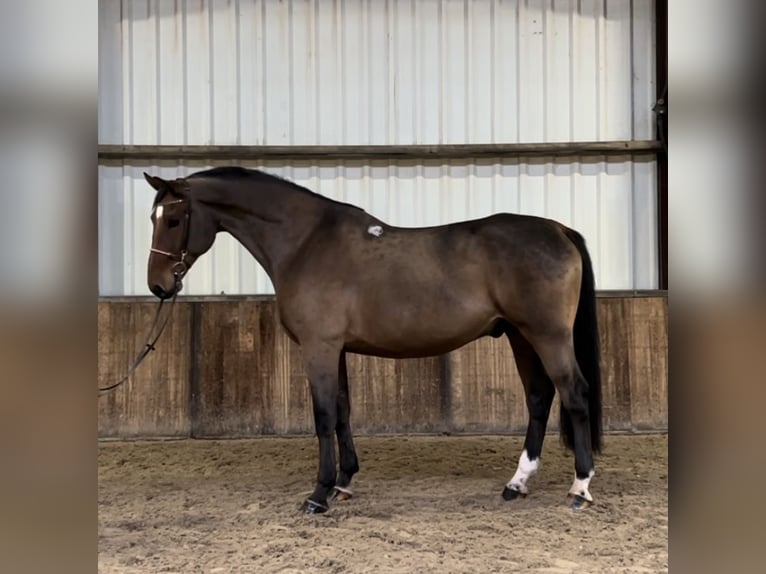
(157, 182)
(163, 186)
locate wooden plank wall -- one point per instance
(227, 369)
(156, 400)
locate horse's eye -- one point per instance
(173, 223)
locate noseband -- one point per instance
(179, 267)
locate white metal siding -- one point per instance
(611, 202)
(375, 72)
(302, 72)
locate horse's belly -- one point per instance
(424, 337)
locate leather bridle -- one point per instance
(179, 267)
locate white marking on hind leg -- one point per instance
(580, 486)
(524, 472)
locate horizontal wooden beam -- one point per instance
(373, 152)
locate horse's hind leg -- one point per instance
(556, 351)
(349, 464)
(539, 392)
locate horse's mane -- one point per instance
(238, 173)
(243, 174)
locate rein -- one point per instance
(179, 269)
(148, 346)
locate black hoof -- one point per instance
(311, 507)
(579, 502)
(512, 493)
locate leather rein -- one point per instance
(148, 346)
(179, 270)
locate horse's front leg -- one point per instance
(349, 463)
(322, 367)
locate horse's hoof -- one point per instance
(512, 493)
(339, 494)
(311, 507)
(579, 502)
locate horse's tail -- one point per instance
(587, 352)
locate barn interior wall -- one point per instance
(302, 72)
(227, 369)
(611, 201)
(356, 72)
(305, 72)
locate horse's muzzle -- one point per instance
(160, 291)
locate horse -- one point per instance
(348, 282)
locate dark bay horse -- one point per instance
(348, 282)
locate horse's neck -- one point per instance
(271, 224)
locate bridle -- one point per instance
(179, 269)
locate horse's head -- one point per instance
(181, 234)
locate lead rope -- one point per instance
(149, 345)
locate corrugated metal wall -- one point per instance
(302, 72)
(611, 203)
(375, 71)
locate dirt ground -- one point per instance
(421, 504)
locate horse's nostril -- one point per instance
(159, 291)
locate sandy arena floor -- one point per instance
(422, 504)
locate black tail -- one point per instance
(587, 351)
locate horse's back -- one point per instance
(421, 290)
(366, 254)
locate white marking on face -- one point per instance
(580, 486)
(375, 230)
(158, 211)
(524, 472)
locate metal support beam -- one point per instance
(661, 23)
(374, 152)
